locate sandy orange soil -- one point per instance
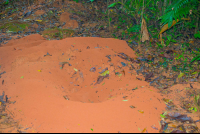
(56, 91)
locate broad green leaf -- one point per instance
(194, 73)
(195, 109)
(197, 35)
(180, 75)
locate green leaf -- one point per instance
(75, 69)
(104, 73)
(180, 75)
(6, 2)
(197, 35)
(177, 10)
(163, 116)
(174, 41)
(196, 98)
(194, 73)
(119, 75)
(113, 4)
(195, 109)
(196, 58)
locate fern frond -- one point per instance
(177, 10)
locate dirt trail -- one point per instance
(54, 98)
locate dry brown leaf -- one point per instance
(165, 27)
(144, 31)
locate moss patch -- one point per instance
(57, 33)
(14, 26)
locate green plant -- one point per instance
(177, 10)
(159, 45)
(131, 12)
(169, 39)
(197, 35)
(135, 28)
(175, 36)
(196, 102)
(132, 7)
(90, 1)
(184, 62)
(76, 1)
(5, 2)
(197, 98)
(197, 58)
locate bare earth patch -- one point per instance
(56, 90)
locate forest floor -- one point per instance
(79, 78)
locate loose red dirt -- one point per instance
(54, 98)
